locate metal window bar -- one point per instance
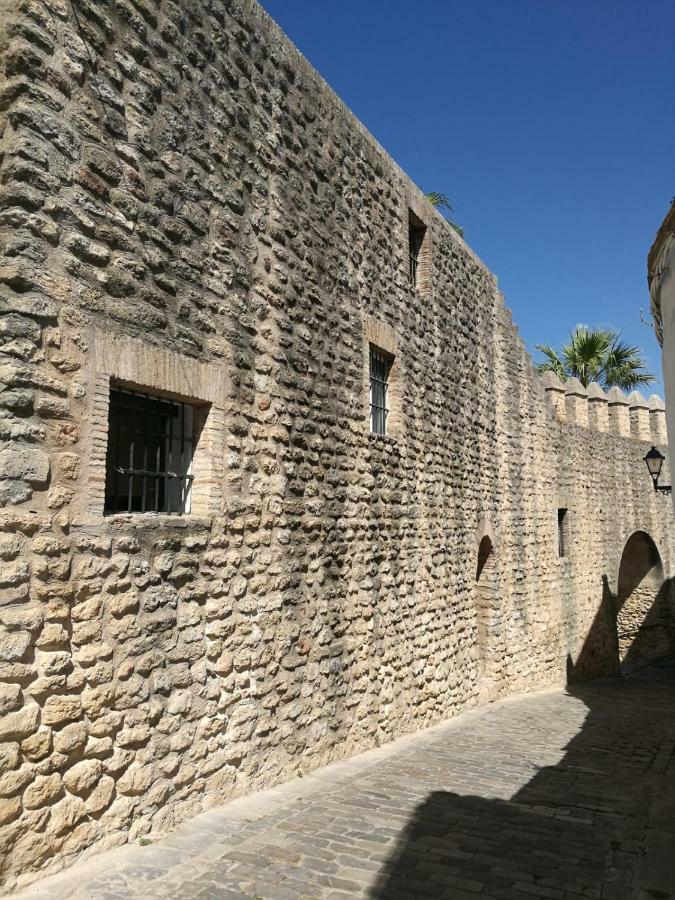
(380, 366)
(562, 548)
(414, 262)
(149, 458)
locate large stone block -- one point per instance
(14, 645)
(81, 778)
(20, 723)
(43, 791)
(24, 463)
(61, 709)
(10, 698)
(136, 780)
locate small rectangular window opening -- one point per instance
(416, 233)
(151, 442)
(380, 367)
(562, 532)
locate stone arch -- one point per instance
(488, 619)
(643, 603)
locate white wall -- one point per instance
(664, 284)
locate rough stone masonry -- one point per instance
(188, 211)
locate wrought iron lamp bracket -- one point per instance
(654, 461)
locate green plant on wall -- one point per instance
(441, 202)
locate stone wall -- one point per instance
(188, 208)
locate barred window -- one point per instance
(416, 233)
(151, 443)
(562, 532)
(380, 367)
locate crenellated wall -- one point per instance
(611, 412)
(187, 209)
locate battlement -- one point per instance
(613, 412)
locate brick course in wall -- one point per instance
(188, 208)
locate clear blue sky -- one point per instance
(549, 123)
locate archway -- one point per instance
(643, 604)
(488, 620)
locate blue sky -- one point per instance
(549, 123)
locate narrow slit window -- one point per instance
(562, 532)
(380, 367)
(151, 442)
(416, 233)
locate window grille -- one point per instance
(380, 367)
(150, 449)
(416, 232)
(562, 532)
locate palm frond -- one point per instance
(620, 354)
(627, 379)
(440, 201)
(552, 363)
(625, 366)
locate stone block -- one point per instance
(14, 645)
(24, 463)
(14, 782)
(37, 746)
(101, 796)
(136, 780)
(69, 739)
(9, 757)
(81, 778)
(14, 574)
(66, 814)
(42, 791)
(10, 809)
(20, 723)
(10, 698)
(59, 710)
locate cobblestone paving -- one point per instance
(554, 795)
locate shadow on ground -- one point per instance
(601, 823)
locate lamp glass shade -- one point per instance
(654, 461)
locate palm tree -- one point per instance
(440, 201)
(597, 354)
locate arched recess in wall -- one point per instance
(644, 604)
(488, 618)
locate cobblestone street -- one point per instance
(552, 795)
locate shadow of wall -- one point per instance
(609, 651)
(654, 637)
(599, 656)
(578, 828)
(634, 625)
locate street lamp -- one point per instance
(654, 460)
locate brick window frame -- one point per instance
(417, 224)
(131, 363)
(383, 338)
